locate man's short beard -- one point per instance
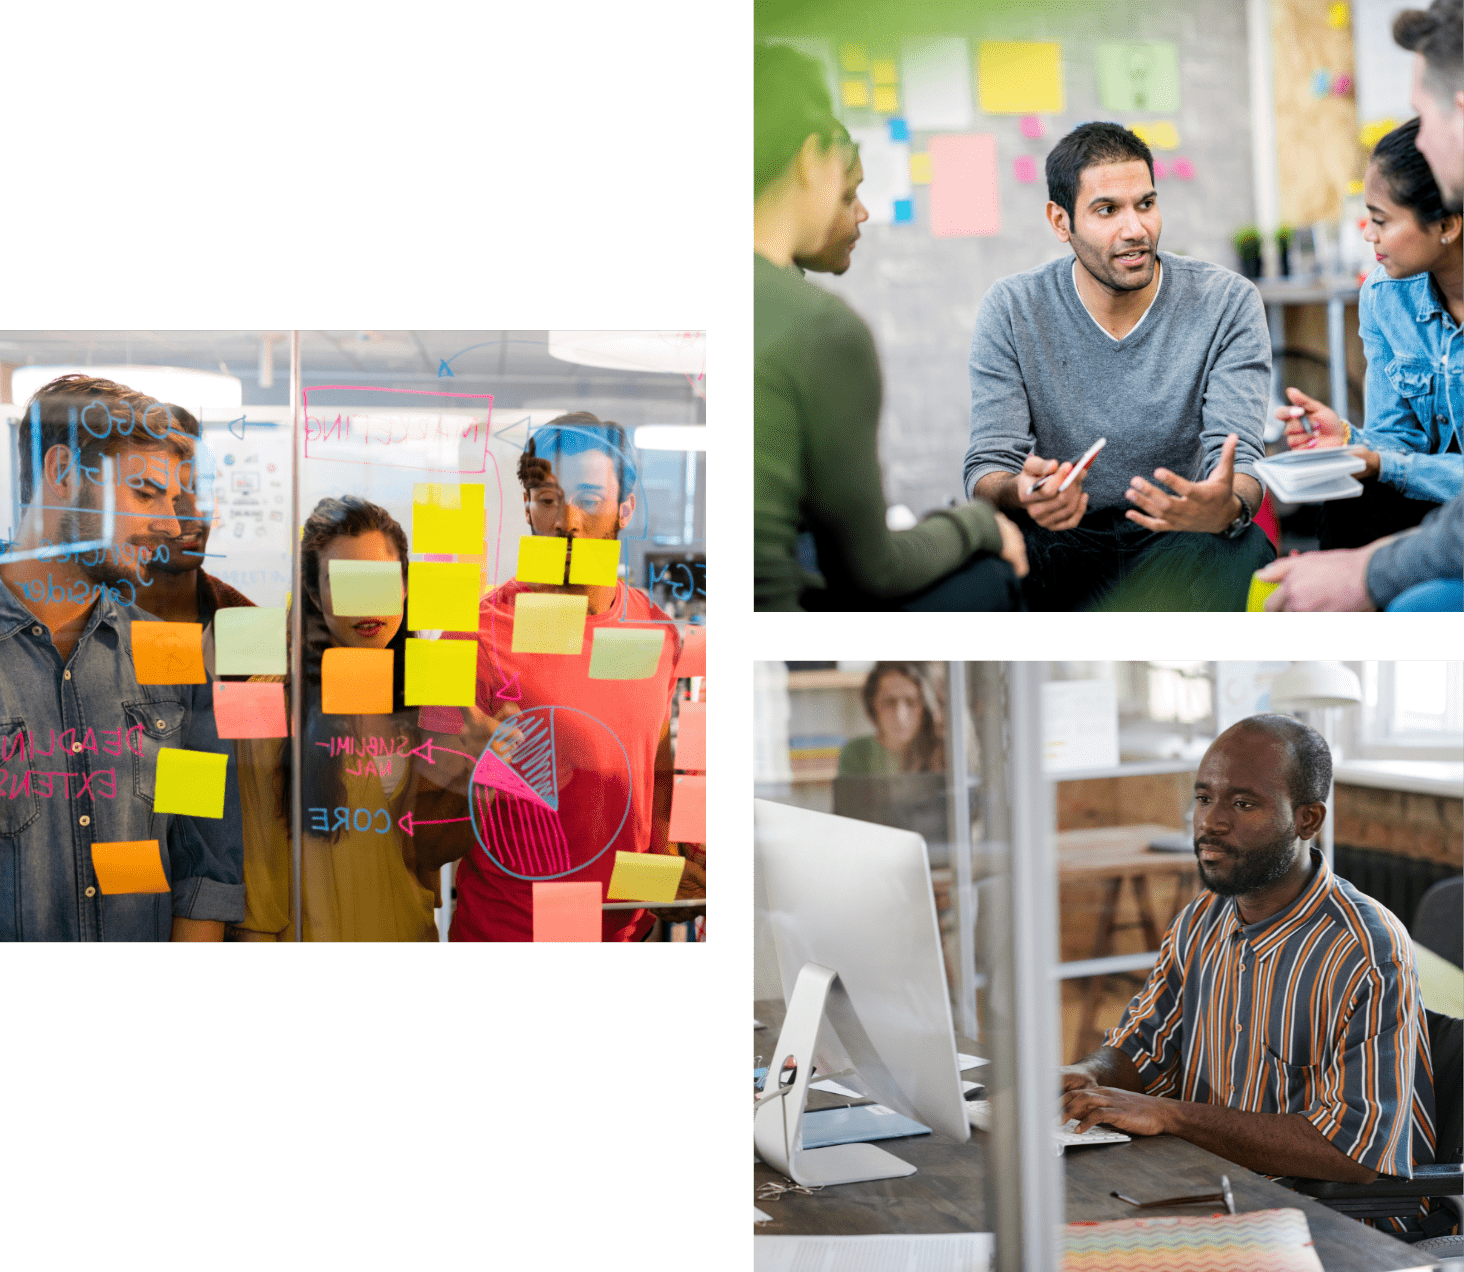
(1106, 277)
(1264, 868)
(83, 524)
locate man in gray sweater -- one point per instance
(1166, 357)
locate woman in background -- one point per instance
(902, 703)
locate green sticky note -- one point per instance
(250, 641)
(626, 653)
(541, 559)
(441, 673)
(594, 561)
(190, 782)
(442, 595)
(549, 623)
(1139, 75)
(448, 518)
(365, 588)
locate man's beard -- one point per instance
(1096, 263)
(83, 524)
(1262, 868)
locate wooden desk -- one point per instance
(945, 1194)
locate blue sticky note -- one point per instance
(1321, 83)
(904, 210)
(899, 130)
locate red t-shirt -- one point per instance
(588, 752)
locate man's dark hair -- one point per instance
(1406, 173)
(790, 102)
(574, 434)
(1088, 146)
(1437, 33)
(102, 416)
(1311, 758)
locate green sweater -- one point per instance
(816, 399)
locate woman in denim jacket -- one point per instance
(1410, 311)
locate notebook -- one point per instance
(1312, 476)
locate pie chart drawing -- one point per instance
(514, 794)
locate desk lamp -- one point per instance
(1317, 687)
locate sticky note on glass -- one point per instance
(594, 561)
(1157, 134)
(854, 57)
(442, 673)
(250, 641)
(567, 912)
(1339, 15)
(365, 588)
(691, 736)
(963, 186)
(131, 866)
(645, 876)
(190, 782)
(442, 595)
(886, 99)
(356, 681)
(693, 660)
(688, 810)
(854, 92)
(626, 653)
(1139, 75)
(1184, 170)
(168, 653)
(1015, 77)
(447, 518)
(1255, 601)
(1024, 168)
(1161, 170)
(882, 70)
(1031, 126)
(549, 623)
(541, 559)
(899, 130)
(920, 168)
(250, 710)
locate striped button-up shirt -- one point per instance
(1315, 1010)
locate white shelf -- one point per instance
(1421, 777)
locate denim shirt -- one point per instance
(1415, 386)
(79, 744)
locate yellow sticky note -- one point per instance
(854, 92)
(1255, 602)
(1157, 134)
(132, 866)
(448, 518)
(1339, 15)
(1018, 77)
(920, 168)
(442, 595)
(365, 588)
(541, 559)
(1370, 134)
(884, 71)
(645, 876)
(1354, 187)
(356, 681)
(886, 99)
(441, 673)
(854, 57)
(168, 653)
(549, 623)
(190, 782)
(626, 653)
(593, 561)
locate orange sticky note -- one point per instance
(168, 653)
(356, 681)
(549, 623)
(693, 660)
(447, 518)
(541, 559)
(567, 912)
(442, 673)
(190, 782)
(688, 810)
(593, 561)
(442, 596)
(691, 738)
(645, 876)
(243, 709)
(131, 866)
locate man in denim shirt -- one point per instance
(79, 737)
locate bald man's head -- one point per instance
(1310, 775)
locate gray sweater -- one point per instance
(1434, 550)
(1044, 373)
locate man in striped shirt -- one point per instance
(1282, 1027)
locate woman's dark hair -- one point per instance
(1088, 146)
(925, 753)
(1406, 173)
(790, 102)
(321, 785)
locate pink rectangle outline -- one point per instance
(367, 388)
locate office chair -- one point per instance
(1389, 1197)
(1439, 923)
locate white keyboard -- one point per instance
(978, 1114)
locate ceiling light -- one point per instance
(181, 386)
(672, 437)
(1310, 686)
(676, 352)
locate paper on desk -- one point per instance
(759, 1217)
(1271, 1241)
(970, 1062)
(926, 1252)
(833, 1088)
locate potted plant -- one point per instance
(1283, 249)
(1248, 248)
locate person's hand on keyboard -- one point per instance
(1122, 1110)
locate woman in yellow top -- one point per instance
(359, 880)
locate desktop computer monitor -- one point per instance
(855, 899)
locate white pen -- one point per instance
(1088, 457)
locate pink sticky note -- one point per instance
(1342, 85)
(1031, 126)
(693, 660)
(438, 556)
(244, 709)
(1184, 170)
(963, 185)
(567, 912)
(1025, 168)
(1161, 170)
(691, 737)
(688, 810)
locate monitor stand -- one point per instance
(777, 1128)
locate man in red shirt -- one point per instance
(586, 762)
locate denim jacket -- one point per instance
(1415, 386)
(79, 744)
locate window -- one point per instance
(1411, 710)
